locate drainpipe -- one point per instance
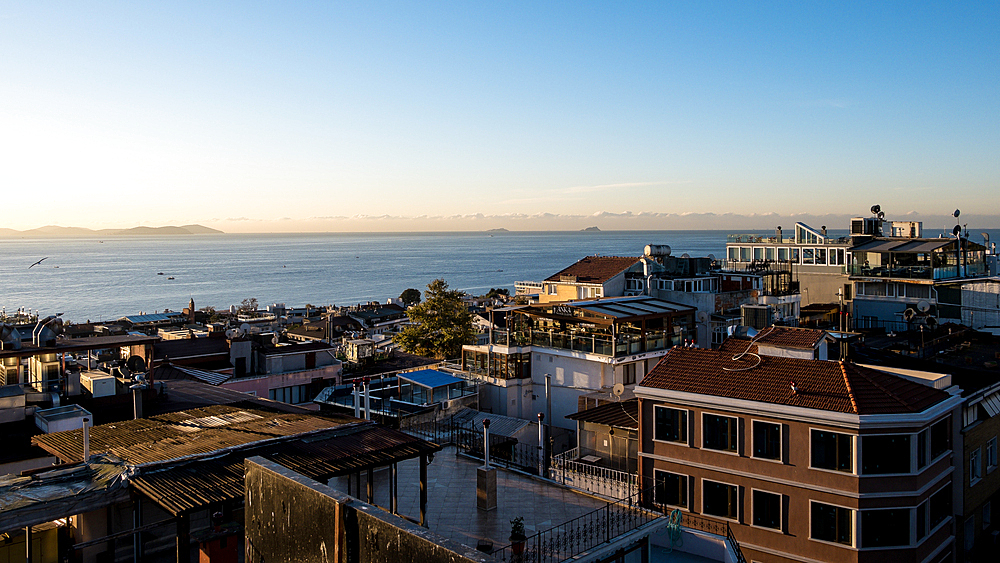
(548, 402)
(486, 443)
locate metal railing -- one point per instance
(581, 534)
(604, 481)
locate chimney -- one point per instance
(86, 439)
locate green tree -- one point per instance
(410, 296)
(441, 324)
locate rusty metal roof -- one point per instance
(186, 486)
(623, 414)
(187, 433)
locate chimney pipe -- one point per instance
(368, 402)
(357, 402)
(86, 439)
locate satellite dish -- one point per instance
(274, 339)
(881, 215)
(931, 322)
(876, 208)
(135, 364)
(702, 317)
(244, 328)
(957, 213)
(957, 230)
(618, 389)
(711, 257)
(230, 333)
(923, 306)
(685, 255)
(908, 314)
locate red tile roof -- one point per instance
(790, 337)
(595, 269)
(825, 385)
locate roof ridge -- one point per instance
(850, 389)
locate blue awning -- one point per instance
(430, 378)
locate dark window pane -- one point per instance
(831, 450)
(720, 432)
(721, 500)
(885, 454)
(831, 523)
(883, 528)
(940, 506)
(671, 489)
(940, 439)
(767, 510)
(671, 424)
(766, 440)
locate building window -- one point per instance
(670, 489)
(766, 440)
(628, 374)
(671, 425)
(940, 506)
(832, 523)
(832, 450)
(553, 289)
(940, 439)
(767, 510)
(975, 466)
(922, 449)
(885, 528)
(921, 521)
(720, 499)
(885, 454)
(720, 432)
(296, 394)
(991, 454)
(987, 515)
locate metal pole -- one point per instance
(543, 458)
(548, 403)
(368, 404)
(86, 439)
(357, 402)
(27, 544)
(486, 443)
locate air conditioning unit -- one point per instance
(446, 405)
(99, 384)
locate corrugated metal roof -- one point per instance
(210, 377)
(177, 435)
(180, 488)
(623, 307)
(624, 414)
(904, 245)
(153, 318)
(430, 378)
(500, 425)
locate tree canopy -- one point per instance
(410, 296)
(441, 324)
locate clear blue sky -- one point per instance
(300, 116)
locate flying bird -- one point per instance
(37, 263)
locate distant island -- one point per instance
(57, 231)
(591, 230)
(500, 230)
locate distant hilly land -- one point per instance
(56, 231)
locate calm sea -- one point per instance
(105, 279)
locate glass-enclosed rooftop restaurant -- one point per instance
(613, 327)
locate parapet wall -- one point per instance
(290, 517)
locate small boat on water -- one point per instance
(170, 278)
(159, 273)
